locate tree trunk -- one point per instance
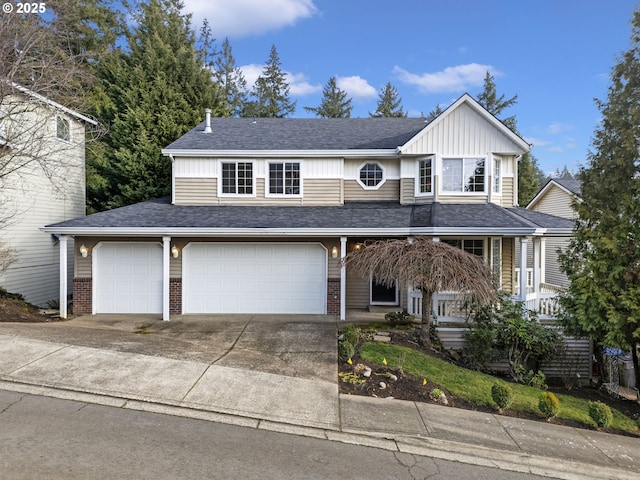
(634, 356)
(427, 316)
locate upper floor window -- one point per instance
(463, 175)
(284, 178)
(237, 178)
(425, 175)
(63, 129)
(497, 175)
(371, 175)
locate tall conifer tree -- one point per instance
(389, 103)
(149, 95)
(271, 91)
(231, 80)
(334, 103)
(602, 261)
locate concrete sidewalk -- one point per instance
(311, 407)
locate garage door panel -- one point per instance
(254, 278)
(128, 278)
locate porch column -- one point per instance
(63, 276)
(343, 279)
(166, 259)
(524, 243)
(543, 260)
(537, 278)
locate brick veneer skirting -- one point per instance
(82, 295)
(333, 296)
(175, 296)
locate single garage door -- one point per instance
(128, 277)
(254, 278)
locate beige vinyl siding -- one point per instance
(389, 191)
(556, 202)
(507, 264)
(553, 274)
(196, 191)
(407, 190)
(507, 199)
(322, 191)
(358, 291)
(204, 191)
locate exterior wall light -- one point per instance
(175, 252)
(84, 251)
(334, 252)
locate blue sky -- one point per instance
(556, 55)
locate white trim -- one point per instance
(166, 268)
(44, 99)
(63, 276)
(374, 187)
(418, 160)
(220, 181)
(343, 279)
(267, 179)
(461, 192)
(391, 153)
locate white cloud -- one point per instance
(452, 79)
(299, 86)
(557, 127)
(239, 18)
(356, 87)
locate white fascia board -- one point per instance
(50, 102)
(280, 153)
(297, 232)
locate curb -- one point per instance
(414, 445)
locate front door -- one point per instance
(383, 295)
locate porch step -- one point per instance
(384, 308)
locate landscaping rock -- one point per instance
(381, 338)
(366, 372)
(393, 378)
(382, 385)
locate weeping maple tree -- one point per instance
(430, 266)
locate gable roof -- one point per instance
(51, 103)
(160, 217)
(297, 134)
(572, 187)
(466, 99)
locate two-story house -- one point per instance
(42, 180)
(262, 211)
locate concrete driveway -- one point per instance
(302, 346)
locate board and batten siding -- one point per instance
(463, 130)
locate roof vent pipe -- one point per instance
(207, 121)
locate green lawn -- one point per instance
(476, 387)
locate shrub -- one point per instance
(399, 318)
(351, 334)
(502, 395)
(346, 350)
(536, 380)
(548, 404)
(601, 414)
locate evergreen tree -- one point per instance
(149, 95)
(528, 178)
(495, 104)
(334, 104)
(271, 92)
(231, 80)
(565, 174)
(602, 261)
(436, 112)
(389, 103)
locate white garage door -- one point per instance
(128, 278)
(254, 278)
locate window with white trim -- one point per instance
(371, 175)
(425, 175)
(473, 246)
(284, 178)
(63, 129)
(237, 178)
(497, 175)
(464, 175)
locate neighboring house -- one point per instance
(262, 210)
(42, 162)
(556, 197)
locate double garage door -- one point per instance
(254, 278)
(216, 278)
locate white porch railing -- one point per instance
(448, 307)
(516, 284)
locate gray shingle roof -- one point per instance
(301, 134)
(573, 185)
(355, 215)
